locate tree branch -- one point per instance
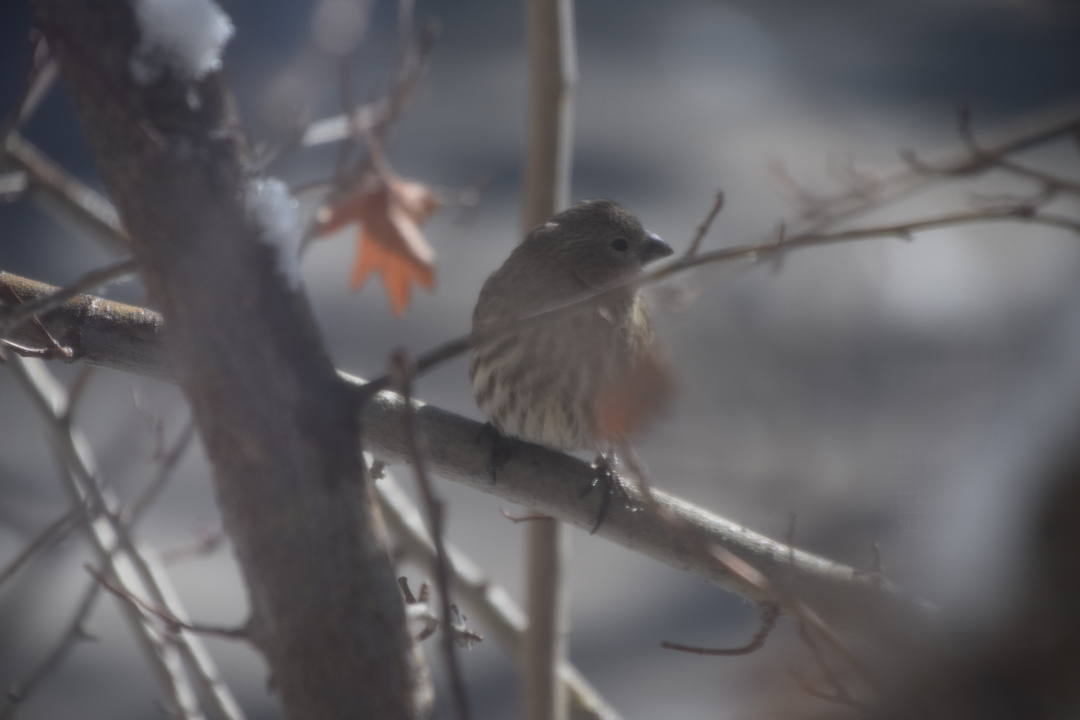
(547, 481)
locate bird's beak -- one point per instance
(654, 248)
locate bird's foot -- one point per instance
(610, 484)
(502, 450)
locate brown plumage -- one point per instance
(583, 381)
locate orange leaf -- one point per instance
(389, 242)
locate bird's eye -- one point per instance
(620, 244)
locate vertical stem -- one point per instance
(552, 75)
(552, 70)
(548, 546)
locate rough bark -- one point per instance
(274, 417)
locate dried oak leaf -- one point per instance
(389, 242)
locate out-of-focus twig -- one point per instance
(703, 229)
(172, 623)
(1047, 124)
(132, 567)
(400, 367)
(47, 539)
(75, 632)
(40, 77)
(69, 199)
(770, 613)
(486, 599)
(166, 465)
(771, 250)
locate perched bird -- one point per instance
(586, 379)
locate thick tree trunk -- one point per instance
(277, 422)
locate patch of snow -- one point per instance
(185, 37)
(275, 211)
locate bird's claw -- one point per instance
(604, 477)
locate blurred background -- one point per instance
(884, 391)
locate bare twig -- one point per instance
(172, 623)
(770, 613)
(75, 632)
(776, 600)
(797, 609)
(65, 196)
(500, 617)
(132, 567)
(770, 249)
(52, 402)
(166, 465)
(348, 106)
(1052, 183)
(703, 229)
(46, 540)
(840, 693)
(39, 79)
(401, 368)
(206, 544)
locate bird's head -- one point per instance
(601, 242)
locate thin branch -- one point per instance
(1049, 180)
(703, 229)
(54, 352)
(86, 283)
(498, 614)
(777, 600)
(348, 105)
(796, 608)
(1048, 124)
(771, 249)
(204, 546)
(763, 250)
(46, 540)
(770, 613)
(39, 79)
(165, 468)
(340, 127)
(61, 194)
(840, 693)
(75, 632)
(130, 565)
(434, 507)
(172, 623)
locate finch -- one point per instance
(584, 380)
